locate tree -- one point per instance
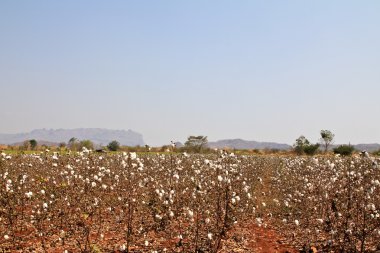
(196, 143)
(301, 143)
(303, 146)
(33, 144)
(113, 146)
(73, 144)
(327, 138)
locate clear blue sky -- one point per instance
(257, 70)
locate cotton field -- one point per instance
(126, 202)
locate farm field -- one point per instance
(188, 203)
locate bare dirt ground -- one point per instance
(249, 237)
(244, 238)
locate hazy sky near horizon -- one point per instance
(257, 70)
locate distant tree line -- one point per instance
(198, 144)
(303, 145)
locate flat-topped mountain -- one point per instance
(97, 135)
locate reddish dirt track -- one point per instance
(249, 237)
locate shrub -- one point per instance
(113, 146)
(303, 146)
(344, 150)
(311, 149)
(87, 144)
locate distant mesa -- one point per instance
(96, 135)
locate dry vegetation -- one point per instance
(180, 203)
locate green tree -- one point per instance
(303, 146)
(300, 144)
(327, 138)
(196, 143)
(33, 144)
(113, 146)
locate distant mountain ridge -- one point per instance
(367, 147)
(243, 144)
(97, 135)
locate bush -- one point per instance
(87, 144)
(113, 146)
(303, 146)
(311, 149)
(344, 150)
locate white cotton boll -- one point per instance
(320, 220)
(146, 243)
(42, 192)
(371, 207)
(6, 237)
(297, 222)
(45, 205)
(191, 213)
(29, 194)
(220, 178)
(93, 184)
(133, 155)
(122, 247)
(209, 236)
(259, 221)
